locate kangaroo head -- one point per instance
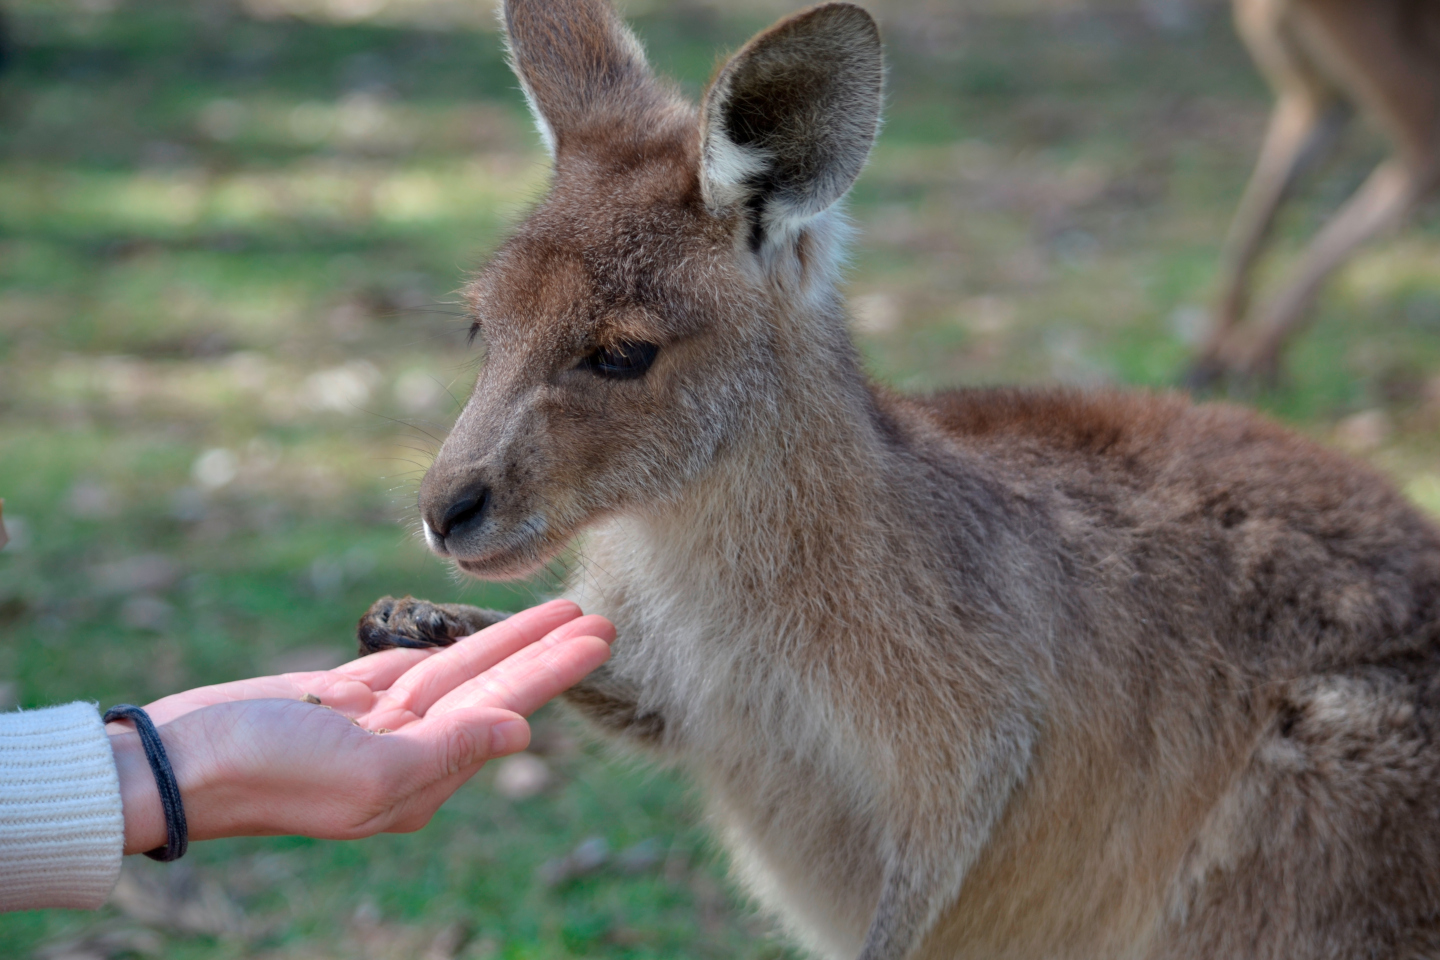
(648, 311)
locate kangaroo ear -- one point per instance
(789, 120)
(580, 67)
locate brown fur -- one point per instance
(1323, 57)
(990, 673)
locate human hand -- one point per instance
(253, 759)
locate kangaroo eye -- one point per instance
(623, 361)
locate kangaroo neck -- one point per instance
(815, 484)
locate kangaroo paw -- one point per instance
(408, 622)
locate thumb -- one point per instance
(509, 735)
(463, 739)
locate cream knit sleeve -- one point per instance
(62, 830)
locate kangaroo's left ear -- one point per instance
(789, 120)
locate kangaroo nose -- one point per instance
(465, 512)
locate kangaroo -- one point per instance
(1322, 57)
(989, 673)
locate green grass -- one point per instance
(228, 249)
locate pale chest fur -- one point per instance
(771, 747)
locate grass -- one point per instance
(229, 237)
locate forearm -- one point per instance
(223, 792)
(219, 800)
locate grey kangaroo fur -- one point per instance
(990, 673)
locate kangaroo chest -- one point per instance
(791, 793)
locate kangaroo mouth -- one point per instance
(514, 555)
(503, 567)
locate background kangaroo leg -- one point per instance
(408, 622)
(1383, 202)
(1302, 128)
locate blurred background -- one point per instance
(230, 236)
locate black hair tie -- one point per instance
(177, 833)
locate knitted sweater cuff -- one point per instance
(62, 829)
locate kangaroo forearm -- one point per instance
(932, 851)
(613, 705)
(901, 920)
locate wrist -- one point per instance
(190, 762)
(139, 797)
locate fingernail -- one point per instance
(509, 736)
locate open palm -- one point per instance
(253, 757)
(517, 665)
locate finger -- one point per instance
(396, 712)
(525, 682)
(457, 743)
(256, 688)
(427, 682)
(352, 688)
(336, 691)
(426, 762)
(349, 688)
(379, 670)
